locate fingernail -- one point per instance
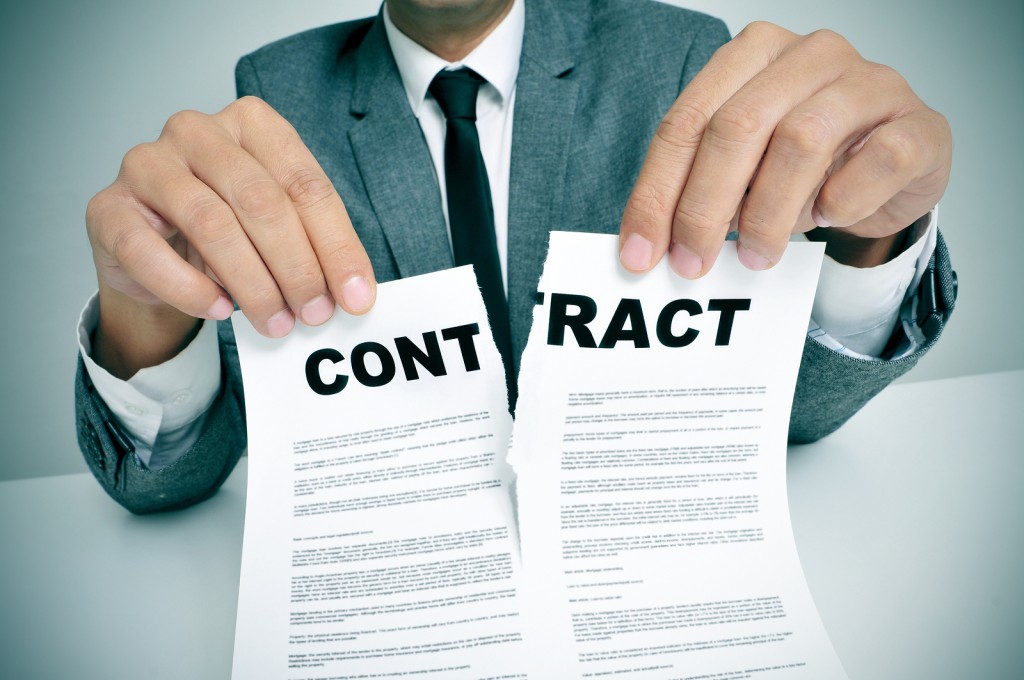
(684, 262)
(357, 295)
(818, 219)
(317, 310)
(280, 324)
(221, 309)
(636, 253)
(752, 260)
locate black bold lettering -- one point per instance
(387, 364)
(464, 334)
(628, 310)
(313, 378)
(409, 354)
(559, 319)
(728, 307)
(668, 315)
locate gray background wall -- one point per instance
(84, 81)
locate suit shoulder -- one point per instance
(332, 40)
(657, 10)
(658, 23)
(668, 44)
(309, 49)
(652, 14)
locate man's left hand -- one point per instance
(781, 133)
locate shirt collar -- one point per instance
(496, 58)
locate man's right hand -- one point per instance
(230, 206)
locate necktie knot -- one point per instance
(455, 92)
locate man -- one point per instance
(333, 177)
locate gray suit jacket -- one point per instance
(595, 78)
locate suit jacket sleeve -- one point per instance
(196, 475)
(832, 386)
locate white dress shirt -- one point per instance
(162, 409)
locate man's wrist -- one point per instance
(864, 252)
(132, 335)
(856, 308)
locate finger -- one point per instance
(150, 262)
(210, 226)
(888, 183)
(261, 208)
(646, 226)
(340, 253)
(806, 142)
(735, 143)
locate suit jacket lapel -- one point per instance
(394, 161)
(544, 108)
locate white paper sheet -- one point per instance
(379, 534)
(655, 529)
(380, 539)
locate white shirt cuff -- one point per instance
(160, 407)
(856, 309)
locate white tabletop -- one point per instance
(910, 526)
(909, 522)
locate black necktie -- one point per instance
(470, 214)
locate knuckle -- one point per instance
(683, 126)
(737, 123)
(302, 277)
(139, 158)
(886, 78)
(834, 202)
(130, 245)
(249, 104)
(825, 35)
(258, 198)
(95, 208)
(264, 299)
(101, 223)
(252, 111)
(809, 134)
(941, 136)
(759, 30)
(756, 226)
(208, 219)
(762, 39)
(308, 188)
(764, 35)
(184, 123)
(344, 252)
(881, 72)
(830, 41)
(648, 204)
(896, 150)
(940, 121)
(696, 220)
